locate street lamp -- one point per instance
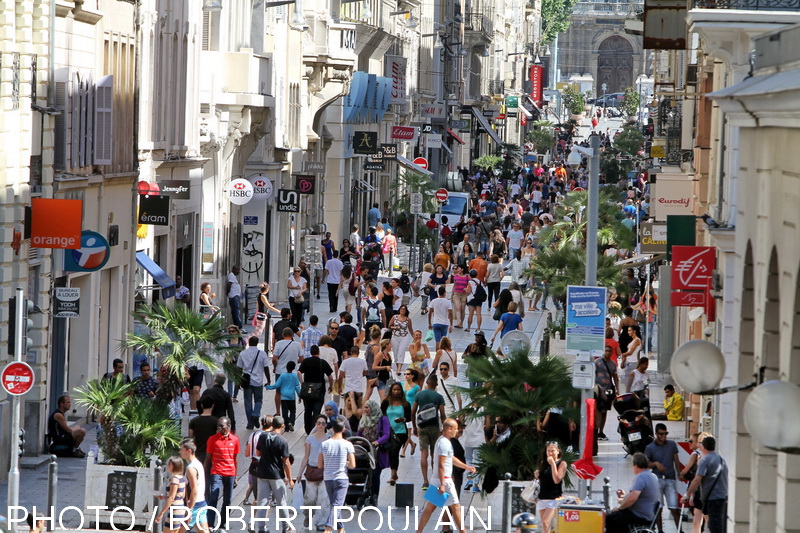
(574, 160)
(698, 366)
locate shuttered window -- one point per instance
(61, 99)
(103, 120)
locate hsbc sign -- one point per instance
(262, 187)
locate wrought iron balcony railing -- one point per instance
(479, 22)
(749, 5)
(604, 8)
(496, 87)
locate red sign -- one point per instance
(687, 299)
(56, 223)
(692, 267)
(17, 378)
(442, 195)
(404, 133)
(524, 120)
(421, 162)
(572, 516)
(536, 74)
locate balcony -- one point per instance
(748, 5)
(607, 8)
(478, 28)
(497, 87)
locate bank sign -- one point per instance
(586, 321)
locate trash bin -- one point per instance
(404, 495)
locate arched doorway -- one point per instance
(615, 64)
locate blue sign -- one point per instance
(91, 256)
(586, 320)
(250, 220)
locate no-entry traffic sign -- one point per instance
(441, 195)
(421, 162)
(17, 378)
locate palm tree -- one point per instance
(184, 339)
(408, 182)
(522, 391)
(106, 398)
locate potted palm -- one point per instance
(134, 432)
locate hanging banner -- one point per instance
(395, 70)
(536, 74)
(673, 195)
(176, 189)
(365, 142)
(66, 302)
(154, 210)
(432, 111)
(404, 133)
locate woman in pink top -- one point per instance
(460, 282)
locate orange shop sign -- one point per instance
(56, 223)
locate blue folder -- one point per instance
(432, 495)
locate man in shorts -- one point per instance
(662, 455)
(426, 413)
(444, 460)
(196, 482)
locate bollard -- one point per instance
(52, 482)
(156, 491)
(607, 493)
(506, 503)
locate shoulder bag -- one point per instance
(531, 492)
(246, 376)
(313, 391)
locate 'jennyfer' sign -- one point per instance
(176, 189)
(586, 320)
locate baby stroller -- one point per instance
(359, 491)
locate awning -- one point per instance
(640, 260)
(485, 125)
(525, 112)
(412, 167)
(447, 148)
(455, 136)
(160, 277)
(532, 102)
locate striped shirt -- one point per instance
(460, 283)
(334, 453)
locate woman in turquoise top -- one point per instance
(398, 411)
(411, 386)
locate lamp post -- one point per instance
(698, 366)
(592, 214)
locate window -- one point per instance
(83, 134)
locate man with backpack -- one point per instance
(426, 415)
(373, 311)
(476, 295)
(405, 285)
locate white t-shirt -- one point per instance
(378, 308)
(451, 401)
(536, 197)
(236, 289)
(640, 380)
(443, 448)
(515, 237)
(354, 379)
(399, 293)
(334, 268)
(253, 361)
(329, 355)
(200, 483)
(516, 190)
(439, 309)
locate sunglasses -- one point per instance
(408, 374)
(321, 423)
(296, 271)
(662, 432)
(334, 329)
(444, 369)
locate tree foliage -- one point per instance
(521, 390)
(629, 141)
(487, 161)
(183, 339)
(630, 102)
(573, 100)
(555, 18)
(543, 139)
(512, 156)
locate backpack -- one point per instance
(405, 284)
(427, 414)
(373, 311)
(479, 294)
(351, 287)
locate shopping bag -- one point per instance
(429, 336)
(297, 496)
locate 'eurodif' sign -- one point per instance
(674, 195)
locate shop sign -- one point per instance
(306, 184)
(154, 210)
(92, 255)
(66, 302)
(395, 70)
(176, 189)
(389, 151)
(365, 142)
(404, 133)
(653, 238)
(56, 223)
(240, 191)
(288, 201)
(673, 196)
(692, 267)
(262, 187)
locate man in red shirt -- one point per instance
(222, 450)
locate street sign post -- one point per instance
(442, 195)
(421, 162)
(583, 375)
(416, 209)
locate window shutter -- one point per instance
(206, 29)
(103, 120)
(88, 137)
(82, 161)
(75, 121)
(61, 78)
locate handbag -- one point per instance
(531, 492)
(313, 391)
(640, 316)
(314, 473)
(299, 298)
(246, 376)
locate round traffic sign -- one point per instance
(441, 195)
(17, 378)
(421, 162)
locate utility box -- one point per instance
(580, 519)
